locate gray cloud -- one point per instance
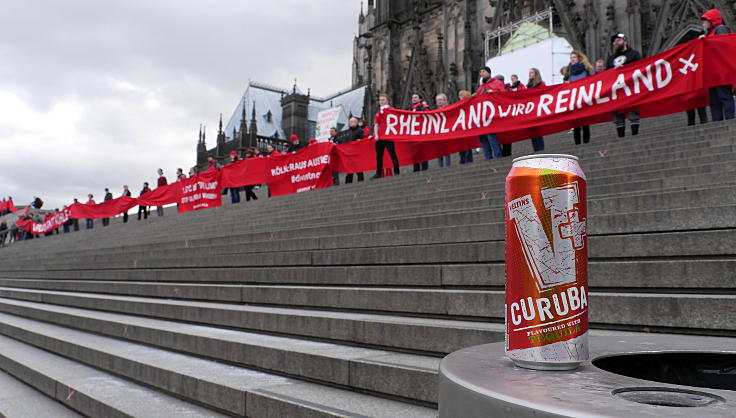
(96, 94)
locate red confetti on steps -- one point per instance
(494, 169)
(186, 243)
(135, 263)
(355, 195)
(125, 330)
(602, 153)
(429, 179)
(270, 236)
(70, 393)
(484, 196)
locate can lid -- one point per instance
(528, 157)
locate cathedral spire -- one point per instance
(219, 131)
(200, 134)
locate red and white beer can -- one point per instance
(546, 263)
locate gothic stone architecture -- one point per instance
(432, 46)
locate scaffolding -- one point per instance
(495, 36)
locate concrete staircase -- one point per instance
(341, 302)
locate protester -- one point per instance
(161, 182)
(419, 105)
(270, 149)
(702, 115)
(355, 132)
(126, 192)
(141, 208)
(622, 55)
(295, 144)
(76, 221)
(600, 66)
(565, 72)
(234, 191)
(465, 156)
(578, 69)
(505, 148)
(489, 84)
(180, 175)
(192, 171)
(535, 81)
(90, 202)
(382, 144)
(249, 194)
(721, 97)
(516, 84)
(333, 138)
(441, 101)
(3, 232)
(212, 164)
(108, 196)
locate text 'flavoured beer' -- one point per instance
(546, 263)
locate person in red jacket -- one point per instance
(488, 85)
(516, 84)
(382, 144)
(142, 209)
(721, 97)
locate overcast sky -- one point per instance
(101, 93)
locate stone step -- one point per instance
(384, 332)
(685, 275)
(628, 223)
(413, 377)
(307, 252)
(86, 390)
(18, 400)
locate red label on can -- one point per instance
(546, 258)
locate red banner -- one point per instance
(669, 82)
(308, 169)
(160, 196)
(202, 191)
(51, 222)
(106, 209)
(246, 172)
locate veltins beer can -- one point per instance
(546, 263)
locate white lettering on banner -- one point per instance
(305, 177)
(301, 165)
(551, 264)
(624, 83)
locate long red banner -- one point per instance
(669, 82)
(672, 81)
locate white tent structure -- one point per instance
(532, 46)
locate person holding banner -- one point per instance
(721, 97)
(489, 84)
(579, 68)
(623, 54)
(126, 192)
(382, 145)
(419, 105)
(333, 138)
(535, 81)
(90, 202)
(161, 182)
(142, 209)
(465, 156)
(441, 101)
(108, 196)
(234, 191)
(249, 193)
(355, 132)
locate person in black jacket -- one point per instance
(142, 209)
(126, 192)
(355, 132)
(108, 196)
(622, 55)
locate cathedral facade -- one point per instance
(437, 46)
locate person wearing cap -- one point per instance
(234, 191)
(108, 196)
(488, 84)
(126, 192)
(720, 97)
(622, 55)
(295, 144)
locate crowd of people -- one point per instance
(721, 104)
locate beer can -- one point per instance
(546, 306)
